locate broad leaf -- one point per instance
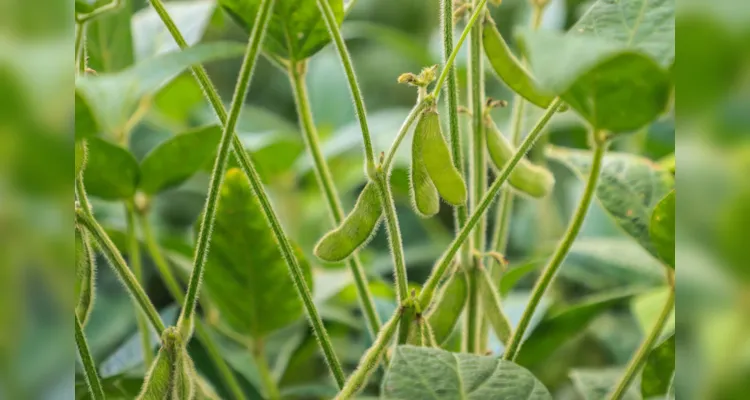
(112, 98)
(246, 276)
(629, 188)
(598, 384)
(177, 159)
(109, 41)
(662, 229)
(610, 66)
(111, 171)
(648, 306)
(659, 369)
(151, 37)
(296, 30)
(420, 373)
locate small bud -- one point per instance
(407, 78)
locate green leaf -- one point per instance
(247, 277)
(112, 98)
(598, 384)
(111, 171)
(84, 6)
(659, 369)
(611, 66)
(118, 387)
(425, 373)
(109, 40)
(647, 308)
(151, 37)
(662, 229)
(296, 30)
(561, 324)
(177, 159)
(629, 188)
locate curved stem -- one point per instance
(115, 259)
(134, 255)
(89, 367)
(643, 351)
(346, 62)
(514, 344)
(111, 6)
(325, 180)
(413, 114)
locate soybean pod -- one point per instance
(526, 177)
(492, 306)
(355, 231)
(445, 313)
(508, 68)
(85, 273)
(172, 375)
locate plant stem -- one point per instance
(113, 5)
(79, 46)
(346, 62)
(428, 289)
(134, 255)
(220, 165)
(89, 367)
(643, 351)
(394, 236)
(413, 114)
(162, 266)
(325, 180)
(369, 360)
(269, 384)
(472, 321)
(84, 217)
(249, 170)
(514, 344)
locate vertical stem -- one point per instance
(89, 367)
(472, 321)
(643, 351)
(269, 384)
(325, 181)
(540, 288)
(80, 41)
(134, 255)
(394, 236)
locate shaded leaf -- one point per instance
(247, 277)
(425, 373)
(659, 369)
(597, 384)
(85, 275)
(662, 229)
(647, 308)
(109, 40)
(111, 172)
(177, 159)
(118, 387)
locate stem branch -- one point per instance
(89, 367)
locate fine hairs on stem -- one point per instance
(89, 367)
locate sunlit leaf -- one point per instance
(109, 40)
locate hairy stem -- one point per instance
(394, 236)
(540, 288)
(472, 318)
(249, 170)
(80, 42)
(413, 114)
(325, 180)
(134, 255)
(106, 8)
(643, 351)
(89, 367)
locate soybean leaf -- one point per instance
(109, 40)
(111, 98)
(118, 387)
(111, 173)
(248, 280)
(296, 30)
(151, 37)
(597, 384)
(563, 323)
(662, 229)
(659, 369)
(629, 188)
(611, 66)
(426, 373)
(648, 306)
(177, 159)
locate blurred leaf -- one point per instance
(111, 171)
(111, 98)
(614, 60)
(647, 308)
(119, 387)
(174, 161)
(561, 324)
(416, 371)
(597, 384)
(662, 229)
(389, 37)
(151, 37)
(659, 369)
(629, 188)
(84, 6)
(87, 123)
(248, 280)
(274, 152)
(296, 30)
(109, 41)
(514, 274)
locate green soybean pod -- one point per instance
(445, 313)
(85, 274)
(171, 376)
(437, 160)
(508, 68)
(528, 178)
(425, 195)
(492, 306)
(355, 231)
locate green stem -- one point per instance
(643, 351)
(472, 322)
(325, 180)
(540, 288)
(89, 367)
(269, 384)
(84, 217)
(394, 236)
(79, 45)
(428, 290)
(249, 170)
(346, 61)
(113, 5)
(220, 165)
(134, 254)
(413, 114)
(369, 360)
